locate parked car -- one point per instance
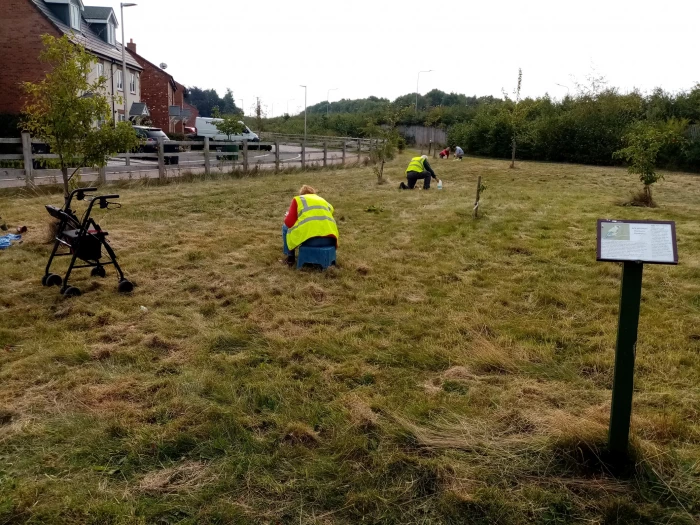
(150, 136)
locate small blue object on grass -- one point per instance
(6, 240)
(323, 256)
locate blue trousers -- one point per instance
(316, 242)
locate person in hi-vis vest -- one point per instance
(418, 169)
(309, 221)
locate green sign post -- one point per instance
(625, 350)
(633, 243)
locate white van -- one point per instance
(206, 127)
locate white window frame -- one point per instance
(120, 80)
(100, 70)
(132, 84)
(74, 10)
(111, 34)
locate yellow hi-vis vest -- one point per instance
(314, 219)
(417, 165)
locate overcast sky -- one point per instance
(362, 47)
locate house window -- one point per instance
(100, 70)
(120, 80)
(75, 16)
(132, 84)
(111, 38)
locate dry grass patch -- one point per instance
(448, 369)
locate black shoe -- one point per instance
(403, 186)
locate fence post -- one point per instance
(28, 161)
(161, 160)
(345, 148)
(245, 156)
(277, 155)
(359, 151)
(303, 155)
(325, 154)
(207, 161)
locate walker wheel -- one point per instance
(98, 271)
(52, 280)
(125, 286)
(71, 291)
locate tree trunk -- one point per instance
(647, 191)
(512, 158)
(66, 189)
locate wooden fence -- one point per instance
(204, 157)
(424, 136)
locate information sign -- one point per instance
(651, 242)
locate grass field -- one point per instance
(450, 370)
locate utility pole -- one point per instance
(304, 112)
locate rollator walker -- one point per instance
(84, 240)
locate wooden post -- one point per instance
(102, 175)
(359, 151)
(28, 161)
(303, 155)
(325, 154)
(207, 161)
(128, 159)
(345, 148)
(277, 155)
(161, 160)
(478, 195)
(245, 156)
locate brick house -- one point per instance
(22, 22)
(163, 96)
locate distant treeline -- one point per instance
(583, 128)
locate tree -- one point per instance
(65, 110)
(517, 117)
(229, 106)
(385, 148)
(229, 125)
(643, 142)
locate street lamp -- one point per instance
(567, 88)
(304, 112)
(126, 98)
(328, 100)
(418, 80)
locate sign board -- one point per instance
(637, 241)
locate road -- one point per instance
(290, 155)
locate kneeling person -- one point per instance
(309, 221)
(418, 169)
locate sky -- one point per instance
(362, 47)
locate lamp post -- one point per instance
(304, 112)
(126, 97)
(418, 80)
(328, 100)
(562, 85)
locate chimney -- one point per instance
(131, 46)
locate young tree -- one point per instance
(643, 142)
(388, 143)
(65, 110)
(230, 126)
(516, 117)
